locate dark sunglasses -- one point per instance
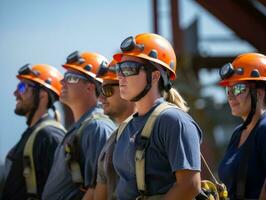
(22, 87)
(129, 68)
(108, 90)
(236, 89)
(72, 78)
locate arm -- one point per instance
(100, 192)
(93, 142)
(263, 192)
(89, 194)
(187, 185)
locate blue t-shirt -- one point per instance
(174, 145)
(256, 172)
(59, 185)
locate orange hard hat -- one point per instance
(87, 63)
(245, 67)
(46, 75)
(151, 47)
(109, 72)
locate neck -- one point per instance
(254, 120)
(79, 109)
(37, 115)
(123, 116)
(145, 104)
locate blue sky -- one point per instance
(47, 31)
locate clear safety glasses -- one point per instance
(236, 89)
(72, 78)
(107, 90)
(129, 68)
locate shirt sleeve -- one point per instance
(261, 145)
(101, 178)
(181, 138)
(94, 137)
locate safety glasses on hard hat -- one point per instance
(129, 68)
(71, 77)
(22, 87)
(75, 58)
(129, 44)
(26, 70)
(107, 90)
(236, 89)
(104, 69)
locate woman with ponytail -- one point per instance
(145, 67)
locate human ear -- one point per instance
(156, 76)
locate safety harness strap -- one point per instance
(140, 151)
(28, 161)
(74, 165)
(122, 126)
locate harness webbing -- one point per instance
(145, 135)
(74, 164)
(28, 161)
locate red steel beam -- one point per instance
(246, 25)
(176, 30)
(155, 16)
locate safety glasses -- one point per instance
(26, 70)
(129, 68)
(73, 78)
(108, 89)
(236, 89)
(22, 87)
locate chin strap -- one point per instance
(148, 71)
(36, 100)
(253, 94)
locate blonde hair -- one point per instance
(174, 97)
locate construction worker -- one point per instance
(118, 109)
(73, 175)
(28, 163)
(166, 164)
(243, 167)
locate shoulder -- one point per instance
(51, 131)
(261, 131)
(176, 116)
(177, 121)
(98, 125)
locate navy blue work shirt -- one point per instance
(59, 185)
(44, 147)
(174, 145)
(256, 172)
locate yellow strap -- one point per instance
(74, 165)
(146, 133)
(29, 167)
(122, 126)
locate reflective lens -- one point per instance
(71, 77)
(129, 68)
(108, 90)
(22, 87)
(236, 89)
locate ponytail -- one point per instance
(174, 97)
